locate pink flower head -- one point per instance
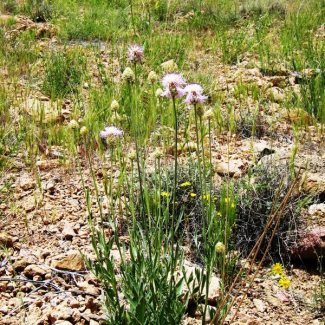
(194, 94)
(135, 53)
(172, 83)
(111, 131)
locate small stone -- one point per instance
(92, 304)
(5, 239)
(27, 183)
(71, 262)
(4, 310)
(68, 232)
(74, 304)
(21, 263)
(48, 164)
(259, 305)
(89, 288)
(3, 286)
(32, 270)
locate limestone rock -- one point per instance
(276, 94)
(41, 110)
(314, 183)
(235, 168)
(259, 305)
(214, 284)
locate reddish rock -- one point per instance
(311, 244)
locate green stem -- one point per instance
(199, 169)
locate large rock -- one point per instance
(311, 244)
(214, 284)
(235, 168)
(70, 262)
(314, 183)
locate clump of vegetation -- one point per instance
(63, 73)
(258, 196)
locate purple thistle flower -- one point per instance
(172, 83)
(135, 53)
(110, 131)
(194, 94)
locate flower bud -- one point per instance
(73, 124)
(83, 131)
(152, 77)
(128, 75)
(115, 105)
(208, 115)
(159, 91)
(220, 247)
(132, 155)
(158, 153)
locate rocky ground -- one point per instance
(44, 224)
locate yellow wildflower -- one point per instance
(227, 199)
(193, 195)
(284, 282)
(277, 268)
(185, 184)
(232, 205)
(165, 194)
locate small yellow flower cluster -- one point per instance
(206, 197)
(185, 184)
(164, 194)
(284, 282)
(193, 195)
